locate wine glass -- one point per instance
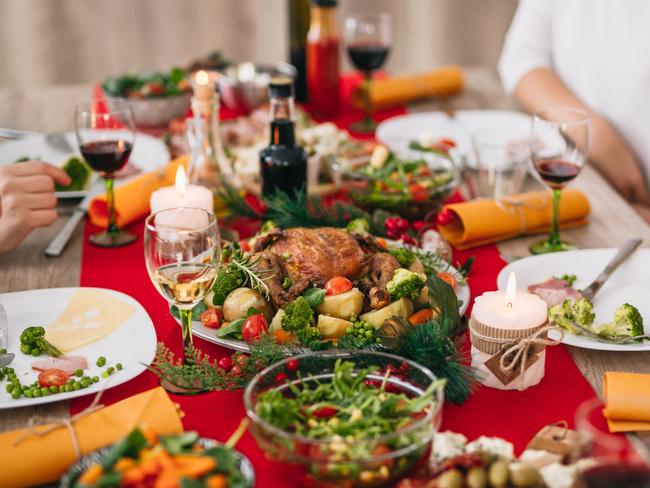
(182, 250)
(368, 39)
(106, 140)
(559, 143)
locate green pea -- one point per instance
(119, 366)
(101, 361)
(76, 386)
(54, 389)
(16, 393)
(45, 391)
(105, 374)
(79, 373)
(68, 388)
(9, 387)
(28, 393)
(95, 379)
(2, 376)
(110, 370)
(369, 334)
(85, 383)
(9, 370)
(36, 392)
(378, 340)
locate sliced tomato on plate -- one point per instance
(338, 285)
(447, 278)
(212, 318)
(53, 377)
(254, 327)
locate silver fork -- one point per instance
(612, 340)
(58, 141)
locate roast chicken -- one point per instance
(310, 257)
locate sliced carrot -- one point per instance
(447, 278)
(281, 337)
(132, 477)
(216, 481)
(168, 479)
(421, 316)
(91, 475)
(123, 464)
(195, 466)
(382, 243)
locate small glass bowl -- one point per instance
(336, 462)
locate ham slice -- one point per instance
(554, 291)
(69, 364)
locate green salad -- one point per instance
(149, 85)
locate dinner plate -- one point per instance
(398, 132)
(133, 344)
(628, 284)
(206, 333)
(149, 153)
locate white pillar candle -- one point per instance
(509, 310)
(204, 86)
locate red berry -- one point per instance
(445, 216)
(236, 370)
(402, 224)
(281, 377)
(417, 225)
(292, 365)
(242, 360)
(407, 239)
(225, 363)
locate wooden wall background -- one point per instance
(66, 41)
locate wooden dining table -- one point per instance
(50, 109)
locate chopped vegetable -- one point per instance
(405, 284)
(32, 341)
(315, 296)
(226, 281)
(297, 315)
(253, 328)
(359, 226)
(628, 322)
(53, 377)
(212, 318)
(79, 173)
(422, 316)
(268, 226)
(447, 278)
(155, 84)
(571, 312)
(338, 285)
(405, 257)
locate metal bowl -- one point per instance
(243, 86)
(154, 111)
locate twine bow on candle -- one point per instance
(515, 206)
(68, 423)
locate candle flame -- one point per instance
(511, 290)
(202, 77)
(181, 179)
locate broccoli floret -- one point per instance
(405, 284)
(359, 226)
(268, 226)
(78, 171)
(32, 341)
(404, 257)
(297, 315)
(227, 280)
(571, 312)
(628, 322)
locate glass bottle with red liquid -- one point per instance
(323, 75)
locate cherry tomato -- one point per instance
(417, 225)
(254, 327)
(281, 377)
(244, 245)
(337, 285)
(212, 318)
(153, 89)
(324, 412)
(447, 278)
(418, 192)
(445, 216)
(292, 365)
(53, 377)
(225, 363)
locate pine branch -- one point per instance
(234, 201)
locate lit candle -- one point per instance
(203, 86)
(181, 195)
(501, 319)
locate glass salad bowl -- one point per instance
(413, 184)
(345, 418)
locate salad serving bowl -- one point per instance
(361, 453)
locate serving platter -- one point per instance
(206, 333)
(149, 153)
(628, 284)
(133, 344)
(398, 132)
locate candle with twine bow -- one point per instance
(509, 335)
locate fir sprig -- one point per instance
(234, 201)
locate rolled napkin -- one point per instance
(31, 459)
(485, 221)
(399, 90)
(627, 401)
(132, 198)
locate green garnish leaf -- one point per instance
(314, 296)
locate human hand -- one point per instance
(27, 199)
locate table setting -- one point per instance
(287, 274)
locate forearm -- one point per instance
(609, 153)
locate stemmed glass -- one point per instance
(106, 140)
(368, 39)
(559, 144)
(182, 250)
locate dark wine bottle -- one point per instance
(283, 164)
(298, 27)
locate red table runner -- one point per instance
(513, 415)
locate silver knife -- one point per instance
(57, 245)
(623, 253)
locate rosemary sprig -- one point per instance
(254, 277)
(433, 264)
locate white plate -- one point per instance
(149, 153)
(133, 344)
(199, 330)
(629, 284)
(398, 132)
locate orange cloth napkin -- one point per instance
(627, 401)
(42, 459)
(132, 198)
(485, 221)
(399, 90)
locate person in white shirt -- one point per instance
(595, 55)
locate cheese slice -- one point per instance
(89, 316)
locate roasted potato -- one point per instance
(342, 306)
(332, 327)
(402, 308)
(241, 300)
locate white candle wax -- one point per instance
(526, 310)
(193, 196)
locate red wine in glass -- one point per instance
(556, 173)
(368, 56)
(106, 156)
